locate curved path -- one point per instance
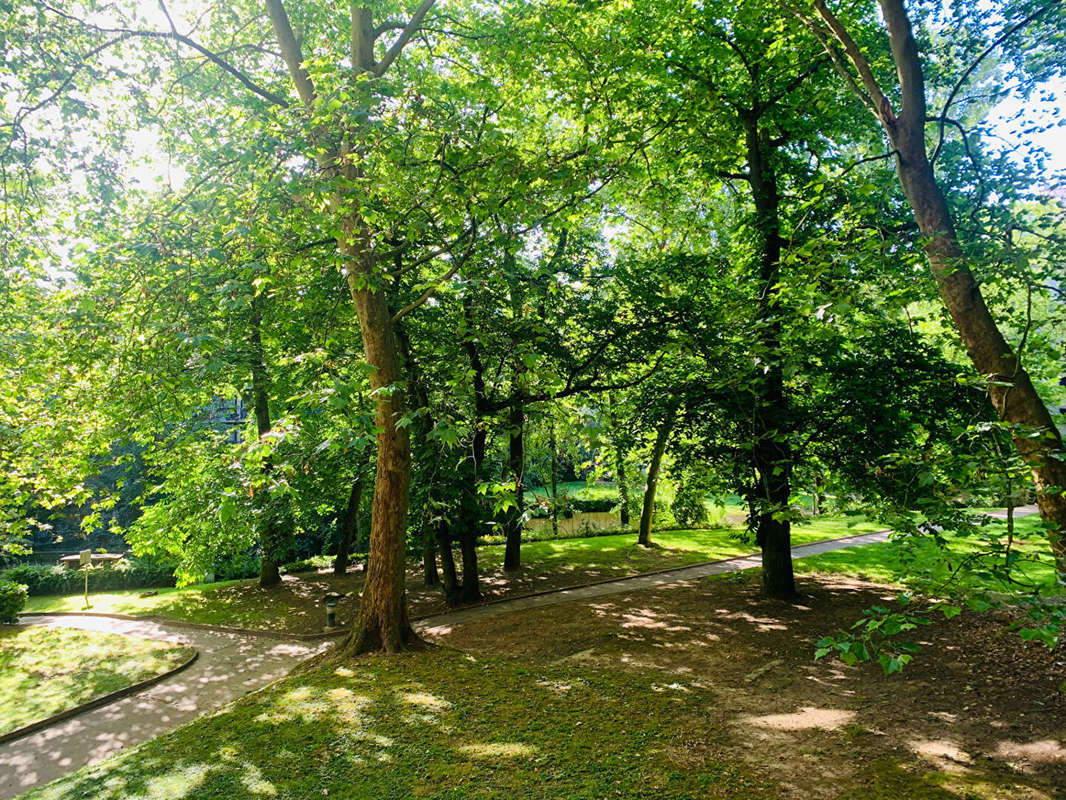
(230, 665)
(438, 623)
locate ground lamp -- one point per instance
(331, 600)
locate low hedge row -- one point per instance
(128, 573)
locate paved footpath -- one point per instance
(439, 622)
(231, 665)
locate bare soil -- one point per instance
(978, 714)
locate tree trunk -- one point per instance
(271, 538)
(512, 556)
(619, 464)
(1013, 394)
(449, 578)
(382, 622)
(348, 526)
(661, 437)
(554, 478)
(772, 452)
(470, 516)
(429, 559)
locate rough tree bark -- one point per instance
(662, 435)
(771, 453)
(382, 622)
(1010, 387)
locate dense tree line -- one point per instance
(438, 248)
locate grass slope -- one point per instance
(436, 725)
(47, 670)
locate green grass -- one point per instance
(619, 553)
(47, 670)
(437, 725)
(921, 562)
(579, 490)
(210, 604)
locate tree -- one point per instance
(1013, 394)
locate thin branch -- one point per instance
(173, 35)
(436, 284)
(404, 37)
(984, 54)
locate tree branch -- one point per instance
(290, 51)
(404, 37)
(877, 100)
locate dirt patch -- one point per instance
(979, 714)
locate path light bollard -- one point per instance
(331, 601)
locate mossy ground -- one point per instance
(47, 670)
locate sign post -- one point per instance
(86, 560)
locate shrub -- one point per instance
(594, 504)
(12, 601)
(128, 573)
(688, 507)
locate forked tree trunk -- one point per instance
(1012, 392)
(382, 622)
(662, 435)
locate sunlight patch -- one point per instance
(1046, 751)
(943, 753)
(303, 704)
(252, 780)
(175, 785)
(808, 718)
(498, 750)
(426, 701)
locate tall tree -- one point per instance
(1037, 438)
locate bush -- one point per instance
(594, 504)
(12, 601)
(128, 573)
(237, 568)
(688, 507)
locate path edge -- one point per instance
(102, 700)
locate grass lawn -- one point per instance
(47, 670)
(701, 691)
(922, 562)
(435, 725)
(296, 605)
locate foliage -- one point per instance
(12, 600)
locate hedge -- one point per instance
(128, 573)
